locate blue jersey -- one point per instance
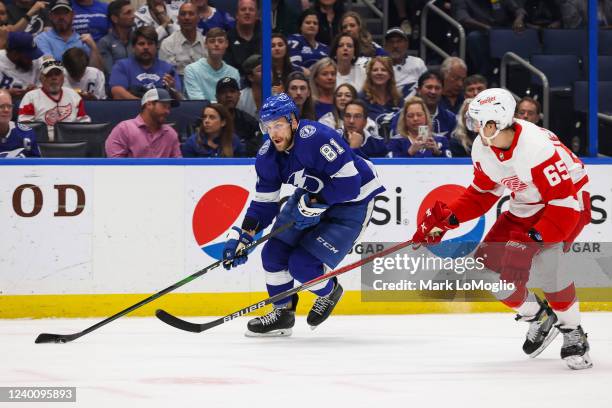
(91, 19)
(20, 141)
(399, 145)
(220, 19)
(302, 54)
(129, 74)
(320, 162)
(443, 122)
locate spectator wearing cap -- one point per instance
(53, 102)
(244, 39)
(250, 96)
(202, 76)
(19, 64)
(25, 15)
(454, 72)
(90, 17)
(215, 136)
(147, 135)
(159, 15)
(116, 44)
(62, 36)
(16, 140)
(89, 82)
(187, 45)
(132, 77)
(406, 68)
(245, 125)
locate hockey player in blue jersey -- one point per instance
(331, 206)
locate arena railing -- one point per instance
(428, 43)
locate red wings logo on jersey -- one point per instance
(513, 183)
(58, 114)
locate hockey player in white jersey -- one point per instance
(548, 208)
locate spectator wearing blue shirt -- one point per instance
(304, 49)
(62, 36)
(379, 90)
(362, 138)
(16, 140)
(351, 23)
(216, 137)
(414, 137)
(454, 72)
(132, 77)
(202, 76)
(210, 17)
(90, 17)
(322, 85)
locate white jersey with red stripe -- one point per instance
(533, 169)
(39, 106)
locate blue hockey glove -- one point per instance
(307, 214)
(233, 255)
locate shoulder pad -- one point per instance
(264, 148)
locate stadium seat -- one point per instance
(94, 134)
(605, 42)
(581, 96)
(605, 67)
(186, 116)
(558, 79)
(524, 44)
(563, 41)
(112, 111)
(40, 129)
(57, 150)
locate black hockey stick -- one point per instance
(200, 327)
(65, 338)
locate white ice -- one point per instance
(472, 360)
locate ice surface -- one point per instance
(472, 360)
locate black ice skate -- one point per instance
(323, 306)
(575, 350)
(542, 330)
(277, 323)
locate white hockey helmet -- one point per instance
(491, 105)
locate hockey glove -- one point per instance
(233, 254)
(518, 256)
(437, 220)
(307, 214)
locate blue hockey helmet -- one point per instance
(278, 106)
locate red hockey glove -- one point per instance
(518, 256)
(432, 227)
(583, 221)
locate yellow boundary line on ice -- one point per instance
(218, 304)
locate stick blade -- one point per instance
(53, 338)
(176, 322)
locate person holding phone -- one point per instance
(414, 137)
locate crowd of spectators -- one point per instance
(381, 98)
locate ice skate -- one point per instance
(575, 349)
(542, 330)
(277, 323)
(323, 306)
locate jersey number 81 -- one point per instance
(329, 152)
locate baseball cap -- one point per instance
(24, 43)
(49, 64)
(227, 83)
(250, 63)
(61, 4)
(397, 32)
(158, 95)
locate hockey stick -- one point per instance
(65, 338)
(200, 327)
